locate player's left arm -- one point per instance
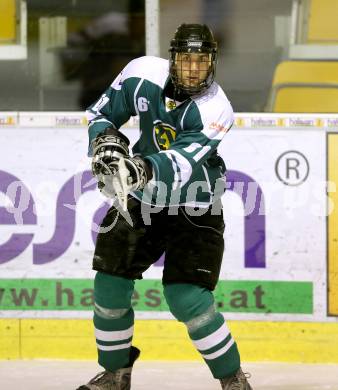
(202, 132)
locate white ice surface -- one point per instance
(68, 375)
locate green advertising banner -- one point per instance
(231, 296)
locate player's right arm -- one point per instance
(111, 110)
(116, 171)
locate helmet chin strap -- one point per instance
(179, 94)
(188, 90)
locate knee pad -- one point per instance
(189, 303)
(112, 295)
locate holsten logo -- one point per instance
(218, 127)
(23, 213)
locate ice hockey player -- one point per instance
(168, 200)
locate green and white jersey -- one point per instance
(180, 139)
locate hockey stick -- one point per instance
(120, 184)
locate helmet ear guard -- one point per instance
(193, 38)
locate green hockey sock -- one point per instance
(113, 320)
(194, 305)
(217, 347)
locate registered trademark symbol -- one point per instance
(292, 168)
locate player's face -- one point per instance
(192, 68)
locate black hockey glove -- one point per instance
(117, 173)
(108, 148)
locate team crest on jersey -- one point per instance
(171, 105)
(164, 134)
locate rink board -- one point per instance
(332, 165)
(168, 340)
(279, 269)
